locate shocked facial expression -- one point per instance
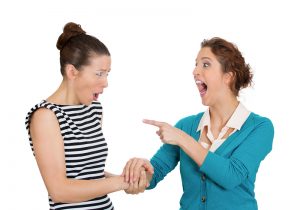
(91, 79)
(212, 83)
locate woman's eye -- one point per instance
(102, 74)
(205, 65)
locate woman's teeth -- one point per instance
(202, 87)
(199, 82)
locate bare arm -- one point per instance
(49, 153)
(109, 175)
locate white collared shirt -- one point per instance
(236, 121)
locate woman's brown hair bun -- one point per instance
(76, 47)
(70, 30)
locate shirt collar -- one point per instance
(236, 120)
(238, 117)
(205, 120)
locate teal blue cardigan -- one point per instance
(225, 180)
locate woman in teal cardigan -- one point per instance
(219, 150)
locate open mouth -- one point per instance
(95, 96)
(202, 87)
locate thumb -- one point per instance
(149, 168)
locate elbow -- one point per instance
(58, 196)
(232, 181)
(56, 199)
(236, 174)
(229, 185)
(63, 197)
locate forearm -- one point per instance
(72, 190)
(193, 149)
(108, 174)
(163, 162)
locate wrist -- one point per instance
(149, 176)
(186, 142)
(109, 175)
(182, 141)
(121, 184)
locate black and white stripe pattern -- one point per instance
(84, 145)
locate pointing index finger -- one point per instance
(153, 122)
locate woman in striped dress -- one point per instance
(65, 129)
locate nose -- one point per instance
(196, 71)
(104, 83)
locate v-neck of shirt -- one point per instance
(235, 122)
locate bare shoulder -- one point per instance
(42, 114)
(43, 123)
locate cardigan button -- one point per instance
(203, 199)
(203, 177)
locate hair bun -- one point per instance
(70, 30)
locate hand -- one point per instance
(167, 133)
(133, 167)
(138, 186)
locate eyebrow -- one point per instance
(205, 58)
(103, 70)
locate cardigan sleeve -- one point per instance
(245, 159)
(164, 161)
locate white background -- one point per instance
(153, 45)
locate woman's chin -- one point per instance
(204, 101)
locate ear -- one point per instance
(71, 71)
(229, 78)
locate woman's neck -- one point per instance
(63, 95)
(221, 113)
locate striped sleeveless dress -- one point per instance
(85, 147)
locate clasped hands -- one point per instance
(138, 171)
